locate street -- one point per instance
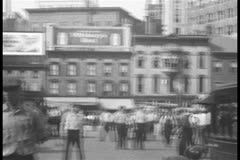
(96, 150)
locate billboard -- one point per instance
(23, 43)
(91, 38)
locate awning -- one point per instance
(69, 101)
(114, 104)
(208, 100)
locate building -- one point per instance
(14, 22)
(170, 69)
(25, 61)
(87, 64)
(165, 17)
(224, 61)
(83, 16)
(66, 3)
(213, 17)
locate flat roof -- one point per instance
(80, 9)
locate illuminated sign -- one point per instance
(20, 43)
(91, 38)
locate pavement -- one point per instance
(54, 149)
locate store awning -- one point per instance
(208, 100)
(114, 104)
(69, 101)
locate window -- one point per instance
(107, 69)
(35, 74)
(140, 63)
(167, 63)
(201, 60)
(230, 12)
(108, 87)
(35, 86)
(156, 62)
(140, 84)
(124, 69)
(72, 69)
(54, 69)
(217, 66)
(201, 84)
(155, 84)
(108, 23)
(186, 62)
(91, 87)
(54, 87)
(186, 84)
(22, 74)
(229, 29)
(124, 87)
(178, 31)
(72, 88)
(91, 70)
(233, 67)
(171, 87)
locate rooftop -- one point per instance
(223, 44)
(79, 9)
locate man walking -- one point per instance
(73, 124)
(120, 121)
(140, 120)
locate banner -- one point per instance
(91, 38)
(21, 43)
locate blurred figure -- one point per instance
(140, 120)
(73, 124)
(168, 130)
(106, 123)
(120, 121)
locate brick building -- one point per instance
(224, 61)
(170, 69)
(83, 16)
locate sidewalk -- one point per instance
(96, 150)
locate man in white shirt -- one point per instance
(73, 124)
(120, 121)
(140, 120)
(106, 122)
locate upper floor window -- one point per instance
(91, 69)
(171, 86)
(107, 69)
(54, 69)
(54, 87)
(35, 74)
(72, 88)
(156, 83)
(201, 83)
(233, 67)
(140, 62)
(34, 86)
(202, 60)
(186, 84)
(217, 66)
(72, 69)
(123, 69)
(140, 83)
(156, 63)
(91, 87)
(123, 87)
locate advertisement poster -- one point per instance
(20, 43)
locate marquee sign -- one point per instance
(90, 38)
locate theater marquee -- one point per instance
(89, 38)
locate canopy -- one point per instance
(66, 102)
(114, 104)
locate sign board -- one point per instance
(91, 38)
(23, 43)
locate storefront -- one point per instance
(113, 104)
(223, 105)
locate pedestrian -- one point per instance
(140, 120)
(106, 124)
(73, 124)
(23, 127)
(120, 121)
(168, 130)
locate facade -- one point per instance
(215, 17)
(170, 69)
(224, 61)
(171, 14)
(94, 16)
(88, 62)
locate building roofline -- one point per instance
(204, 37)
(80, 9)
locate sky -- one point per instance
(134, 7)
